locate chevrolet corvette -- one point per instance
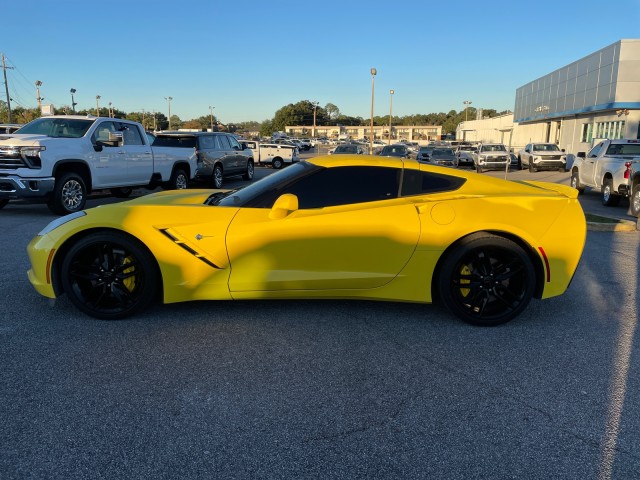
(339, 226)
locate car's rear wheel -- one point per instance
(179, 180)
(519, 167)
(218, 178)
(249, 172)
(277, 163)
(531, 167)
(109, 276)
(609, 198)
(486, 280)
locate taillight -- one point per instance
(627, 172)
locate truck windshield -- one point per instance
(57, 127)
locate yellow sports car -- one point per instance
(340, 226)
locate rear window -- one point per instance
(175, 141)
(624, 149)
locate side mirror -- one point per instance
(581, 155)
(283, 206)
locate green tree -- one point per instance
(332, 111)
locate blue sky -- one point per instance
(250, 58)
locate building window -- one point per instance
(587, 133)
(610, 130)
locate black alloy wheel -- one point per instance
(486, 280)
(109, 275)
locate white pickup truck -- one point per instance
(606, 167)
(61, 159)
(274, 154)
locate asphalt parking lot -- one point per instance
(323, 389)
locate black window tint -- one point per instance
(206, 142)
(234, 143)
(415, 182)
(346, 185)
(174, 141)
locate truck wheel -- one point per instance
(609, 199)
(178, 181)
(635, 200)
(519, 164)
(3, 203)
(249, 173)
(217, 176)
(121, 192)
(575, 182)
(277, 163)
(69, 194)
(531, 167)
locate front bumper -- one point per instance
(15, 187)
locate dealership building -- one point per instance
(592, 98)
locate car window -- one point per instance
(416, 182)
(224, 142)
(595, 150)
(102, 132)
(206, 142)
(234, 143)
(131, 134)
(174, 141)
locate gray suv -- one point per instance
(219, 154)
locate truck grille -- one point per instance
(10, 159)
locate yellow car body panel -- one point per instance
(384, 250)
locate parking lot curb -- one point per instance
(619, 226)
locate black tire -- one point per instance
(69, 194)
(531, 167)
(575, 182)
(250, 171)
(109, 276)
(478, 169)
(634, 200)
(486, 280)
(609, 198)
(277, 163)
(122, 192)
(217, 178)
(3, 203)
(519, 167)
(179, 180)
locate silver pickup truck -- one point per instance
(605, 167)
(61, 159)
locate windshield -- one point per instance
(493, 148)
(58, 127)
(443, 152)
(347, 149)
(546, 147)
(270, 185)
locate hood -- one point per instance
(23, 140)
(174, 197)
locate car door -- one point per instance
(240, 159)
(587, 175)
(349, 231)
(108, 162)
(138, 154)
(227, 155)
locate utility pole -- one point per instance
(97, 106)
(39, 99)
(6, 87)
(211, 114)
(168, 99)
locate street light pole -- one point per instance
(315, 107)
(110, 113)
(39, 98)
(391, 92)
(373, 76)
(168, 99)
(211, 114)
(97, 106)
(466, 105)
(73, 102)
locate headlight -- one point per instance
(61, 221)
(31, 155)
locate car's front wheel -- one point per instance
(218, 178)
(575, 182)
(109, 275)
(635, 200)
(609, 198)
(69, 194)
(248, 175)
(486, 280)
